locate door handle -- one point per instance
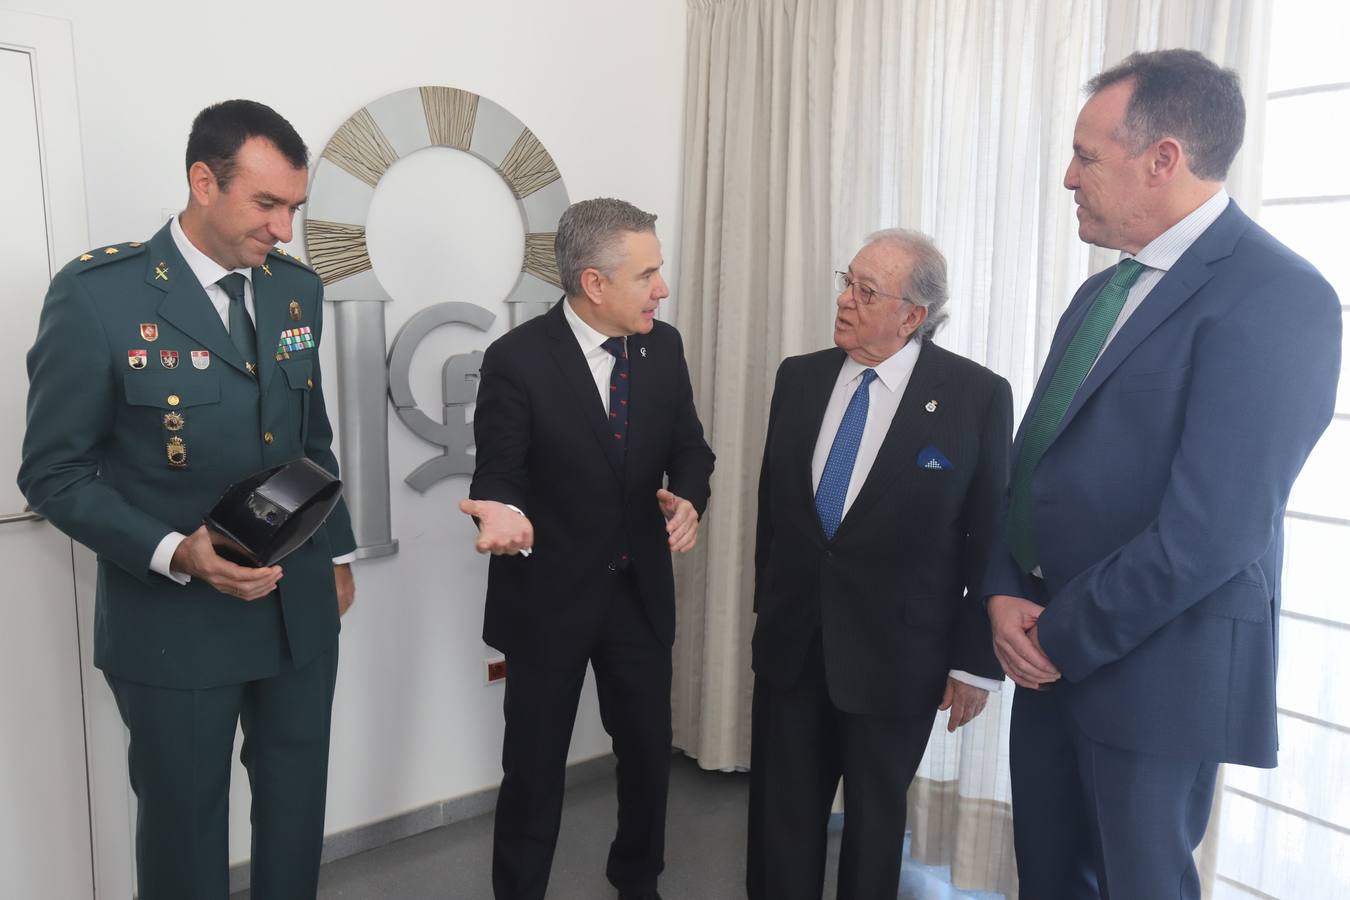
(26, 516)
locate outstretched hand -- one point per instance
(501, 530)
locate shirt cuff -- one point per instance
(162, 558)
(985, 684)
(511, 506)
(344, 559)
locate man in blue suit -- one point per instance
(1134, 589)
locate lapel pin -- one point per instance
(267, 270)
(149, 331)
(201, 359)
(295, 310)
(642, 351)
(168, 359)
(136, 359)
(162, 272)
(931, 406)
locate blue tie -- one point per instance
(833, 487)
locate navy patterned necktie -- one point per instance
(618, 392)
(833, 487)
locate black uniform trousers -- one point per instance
(632, 678)
(180, 754)
(802, 745)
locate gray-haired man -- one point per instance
(885, 459)
(590, 457)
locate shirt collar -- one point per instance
(589, 339)
(207, 270)
(1164, 250)
(894, 370)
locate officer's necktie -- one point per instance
(242, 334)
(833, 487)
(618, 393)
(1069, 375)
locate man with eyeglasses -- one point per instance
(885, 459)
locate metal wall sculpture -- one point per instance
(340, 194)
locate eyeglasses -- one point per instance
(863, 294)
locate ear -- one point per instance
(1167, 160)
(202, 183)
(912, 320)
(592, 284)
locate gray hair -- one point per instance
(1182, 94)
(928, 277)
(589, 237)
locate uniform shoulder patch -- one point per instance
(283, 254)
(102, 256)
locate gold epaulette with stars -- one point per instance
(99, 256)
(282, 253)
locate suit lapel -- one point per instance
(185, 305)
(270, 312)
(576, 375)
(908, 431)
(810, 411)
(1187, 276)
(640, 397)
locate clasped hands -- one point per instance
(503, 530)
(1016, 644)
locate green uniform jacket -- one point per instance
(96, 458)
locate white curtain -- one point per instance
(956, 117)
(754, 288)
(810, 124)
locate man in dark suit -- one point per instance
(591, 460)
(162, 373)
(1135, 578)
(884, 462)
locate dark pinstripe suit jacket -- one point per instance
(895, 594)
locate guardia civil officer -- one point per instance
(163, 371)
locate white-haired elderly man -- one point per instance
(884, 464)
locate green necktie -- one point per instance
(242, 334)
(1073, 368)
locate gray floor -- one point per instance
(705, 852)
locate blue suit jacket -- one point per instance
(1158, 507)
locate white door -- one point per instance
(66, 815)
(45, 836)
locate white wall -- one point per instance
(599, 81)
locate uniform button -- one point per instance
(267, 437)
(172, 400)
(309, 383)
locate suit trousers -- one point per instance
(180, 754)
(1094, 821)
(632, 679)
(800, 747)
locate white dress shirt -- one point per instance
(600, 360)
(883, 399)
(1162, 253)
(207, 272)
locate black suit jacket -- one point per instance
(895, 595)
(543, 445)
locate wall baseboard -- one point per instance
(434, 815)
